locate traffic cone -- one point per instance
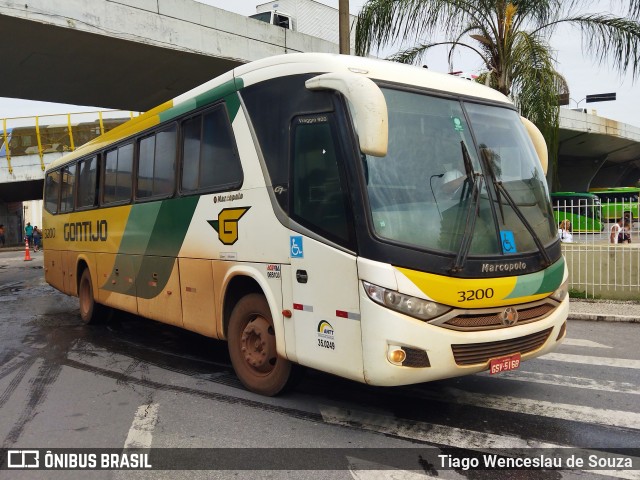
(27, 256)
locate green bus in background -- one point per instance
(618, 202)
(583, 210)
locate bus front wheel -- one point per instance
(252, 347)
(90, 311)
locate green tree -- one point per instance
(512, 41)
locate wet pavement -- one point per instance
(65, 384)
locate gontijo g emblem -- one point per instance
(227, 224)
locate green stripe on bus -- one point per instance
(171, 225)
(552, 277)
(545, 281)
(167, 237)
(227, 90)
(153, 237)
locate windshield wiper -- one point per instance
(500, 189)
(473, 181)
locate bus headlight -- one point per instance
(561, 292)
(416, 307)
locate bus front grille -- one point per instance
(490, 320)
(416, 358)
(479, 353)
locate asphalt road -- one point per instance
(137, 383)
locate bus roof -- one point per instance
(281, 65)
(377, 69)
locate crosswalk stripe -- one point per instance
(427, 432)
(439, 435)
(564, 411)
(589, 360)
(567, 381)
(364, 470)
(144, 421)
(577, 342)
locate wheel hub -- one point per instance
(258, 345)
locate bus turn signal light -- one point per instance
(396, 355)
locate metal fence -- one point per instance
(603, 260)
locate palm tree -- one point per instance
(511, 38)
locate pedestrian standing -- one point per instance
(1, 235)
(37, 235)
(625, 234)
(614, 234)
(28, 231)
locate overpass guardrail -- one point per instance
(55, 133)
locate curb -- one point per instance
(594, 317)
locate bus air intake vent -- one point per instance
(480, 353)
(416, 358)
(490, 320)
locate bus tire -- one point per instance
(90, 311)
(252, 347)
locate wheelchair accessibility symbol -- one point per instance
(508, 241)
(296, 247)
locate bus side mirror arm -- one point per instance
(367, 104)
(538, 143)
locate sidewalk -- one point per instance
(604, 310)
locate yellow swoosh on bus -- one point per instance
(487, 292)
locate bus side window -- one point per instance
(156, 164)
(118, 174)
(319, 198)
(210, 159)
(51, 191)
(87, 175)
(68, 182)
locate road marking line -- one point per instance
(364, 470)
(427, 432)
(588, 360)
(567, 381)
(441, 435)
(577, 342)
(141, 431)
(563, 411)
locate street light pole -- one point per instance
(343, 27)
(597, 97)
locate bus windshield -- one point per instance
(421, 193)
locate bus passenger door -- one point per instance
(324, 277)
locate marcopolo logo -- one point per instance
(227, 224)
(503, 267)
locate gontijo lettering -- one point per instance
(86, 231)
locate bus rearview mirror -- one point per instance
(367, 104)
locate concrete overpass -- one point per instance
(597, 152)
(129, 54)
(136, 54)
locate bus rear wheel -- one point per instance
(90, 311)
(252, 347)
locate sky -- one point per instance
(584, 77)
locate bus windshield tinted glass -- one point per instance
(420, 194)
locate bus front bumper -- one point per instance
(434, 352)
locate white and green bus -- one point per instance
(369, 219)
